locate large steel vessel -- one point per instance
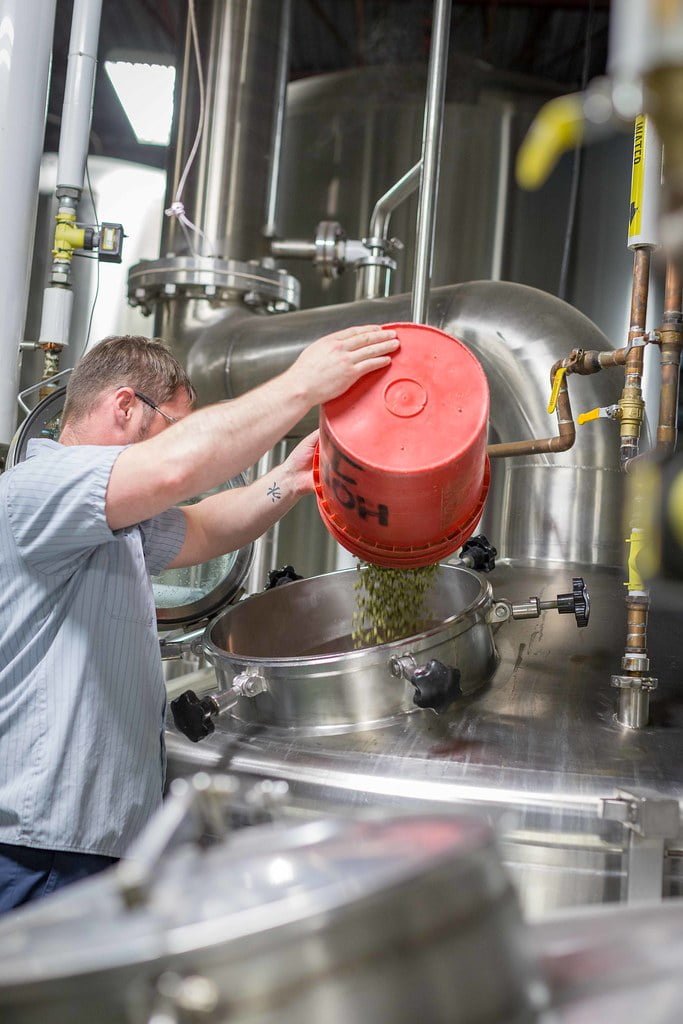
(537, 750)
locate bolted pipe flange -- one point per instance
(216, 280)
(329, 248)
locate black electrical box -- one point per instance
(110, 245)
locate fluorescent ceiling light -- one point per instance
(146, 95)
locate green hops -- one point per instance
(390, 603)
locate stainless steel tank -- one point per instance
(350, 135)
(377, 922)
(536, 751)
(395, 921)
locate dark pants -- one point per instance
(27, 873)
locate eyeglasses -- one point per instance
(153, 405)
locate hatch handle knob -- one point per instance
(437, 685)
(194, 717)
(578, 603)
(479, 554)
(279, 577)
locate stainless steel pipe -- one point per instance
(226, 189)
(229, 185)
(393, 197)
(542, 506)
(282, 76)
(431, 159)
(374, 273)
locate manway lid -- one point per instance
(183, 597)
(256, 891)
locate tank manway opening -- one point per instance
(391, 603)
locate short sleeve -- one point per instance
(162, 538)
(56, 504)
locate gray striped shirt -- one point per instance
(82, 695)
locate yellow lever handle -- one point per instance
(558, 127)
(557, 384)
(586, 417)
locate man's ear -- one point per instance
(123, 404)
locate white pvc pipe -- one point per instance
(74, 142)
(55, 321)
(26, 30)
(78, 94)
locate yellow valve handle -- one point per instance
(635, 542)
(557, 384)
(586, 417)
(558, 127)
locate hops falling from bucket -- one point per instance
(390, 603)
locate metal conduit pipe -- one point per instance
(281, 79)
(431, 160)
(545, 505)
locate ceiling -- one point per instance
(562, 42)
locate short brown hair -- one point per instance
(143, 363)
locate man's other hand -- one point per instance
(299, 464)
(332, 364)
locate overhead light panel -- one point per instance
(145, 92)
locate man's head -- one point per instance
(123, 390)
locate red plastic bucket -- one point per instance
(401, 471)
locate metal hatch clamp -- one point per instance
(577, 604)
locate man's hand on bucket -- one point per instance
(332, 364)
(298, 466)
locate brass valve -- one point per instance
(631, 411)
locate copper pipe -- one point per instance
(584, 363)
(561, 443)
(672, 290)
(671, 344)
(636, 626)
(589, 362)
(639, 292)
(631, 405)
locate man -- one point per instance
(83, 524)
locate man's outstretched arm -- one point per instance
(229, 520)
(214, 444)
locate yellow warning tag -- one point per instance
(557, 384)
(637, 179)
